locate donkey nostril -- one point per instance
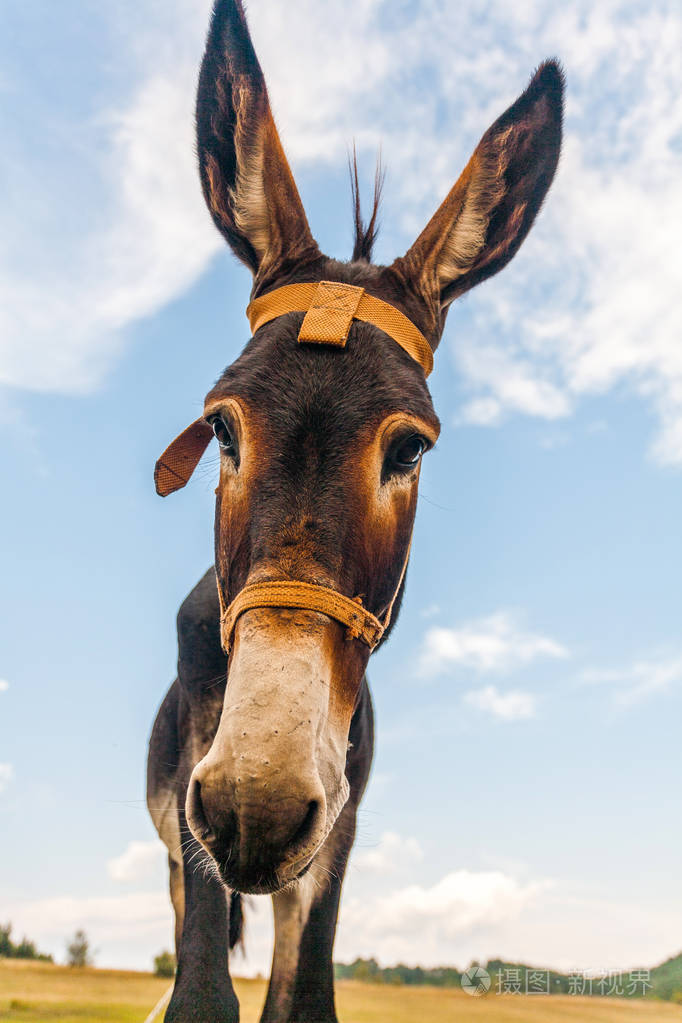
(305, 829)
(211, 819)
(196, 815)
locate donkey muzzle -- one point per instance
(266, 795)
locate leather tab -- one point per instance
(331, 313)
(180, 459)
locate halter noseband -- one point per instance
(360, 623)
(330, 308)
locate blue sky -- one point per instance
(524, 801)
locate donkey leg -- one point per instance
(291, 910)
(302, 981)
(203, 991)
(313, 1000)
(162, 799)
(176, 882)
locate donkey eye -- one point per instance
(409, 451)
(224, 436)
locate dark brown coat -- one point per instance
(257, 766)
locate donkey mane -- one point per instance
(365, 235)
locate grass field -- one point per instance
(38, 992)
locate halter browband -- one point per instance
(330, 307)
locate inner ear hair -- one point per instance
(490, 209)
(481, 188)
(247, 182)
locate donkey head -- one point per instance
(320, 450)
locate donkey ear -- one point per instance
(181, 457)
(491, 208)
(247, 182)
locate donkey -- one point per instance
(262, 747)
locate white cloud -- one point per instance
(466, 914)
(518, 386)
(393, 853)
(112, 912)
(6, 776)
(427, 924)
(127, 930)
(494, 643)
(596, 297)
(639, 681)
(140, 861)
(117, 228)
(4, 685)
(106, 917)
(514, 705)
(481, 412)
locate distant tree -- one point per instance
(78, 950)
(24, 950)
(660, 982)
(365, 969)
(6, 945)
(164, 964)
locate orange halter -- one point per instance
(330, 308)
